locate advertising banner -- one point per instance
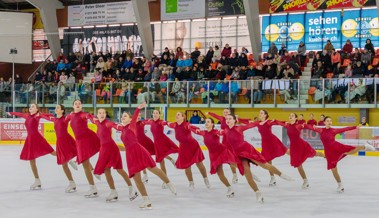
(182, 9)
(15, 131)
(316, 28)
(218, 8)
(277, 6)
(112, 38)
(102, 13)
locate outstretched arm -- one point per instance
(341, 130)
(243, 120)
(278, 123)
(49, 117)
(18, 114)
(242, 128)
(215, 116)
(312, 127)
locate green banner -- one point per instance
(171, 6)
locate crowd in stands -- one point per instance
(129, 78)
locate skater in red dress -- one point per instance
(65, 144)
(335, 151)
(88, 144)
(300, 150)
(162, 144)
(35, 144)
(272, 147)
(219, 154)
(138, 158)
(189, 150)
(247, 153)
(222, 120)
(109, 156)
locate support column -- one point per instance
(142, 13)
(364, 112)
(48, 10)
(252, 16)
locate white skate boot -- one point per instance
(305, 184)
(207, 184)
(259, 197)
(73, 165)
(340, 188)
(369, 147)
(36, 185)
(164, 186)
(172, 188)
(285, 177)
(235, 178)
(132, 193)
(146, 205)
(145, 179)
(230, 192)
(272, 181)
(71, 187)
(113, 196)
(256, 178)
(92, 192)
(191, 186)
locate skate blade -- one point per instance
(71, 191)
(341, 191)
(148, 207)
(94, 195)
(272, 184)
(111, 200)
(36, 188)
(134, 197)
(305, 187)
(261, 201)
(146, 181)
(231, 195)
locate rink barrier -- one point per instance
(13, 132)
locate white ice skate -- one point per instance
(230, 192)
(113, 196)
(305, 184)
(71, 187)
(92, 192)
(171, 187)
(272, 181)
(340, 188)
(145, 179)
(132, 193)
(235, 178)
(259, 197)
(73, 165)
(164, 186)
(285, 177)
(36, 185)
(146, 205)
(256, 178)
(369, 147)
(191, 186)
(206, 182)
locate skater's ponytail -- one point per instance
(62, 109)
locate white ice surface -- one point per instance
(359, 175)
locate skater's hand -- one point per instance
(142, 105)
(207, 113)
(197, 130)
(315, 127)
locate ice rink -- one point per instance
(359, 175)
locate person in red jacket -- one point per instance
(311, 120)
(347, 49)
(227, 51)
(321, 121)
(335, 151)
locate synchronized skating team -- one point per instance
(232, 150)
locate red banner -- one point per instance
(312, 5)
(15, 131)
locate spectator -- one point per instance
(209, 56)
(335, 58)
(216, 54)
(321, 121)
(363, 122)
(370, 47)
(227, 51)
(338, 71)
(71, 82)
(366, 58)
(356, 56)
(100, 65)
(347, 49)
(325, 59)
(61, 57)
(179, 53)
(285, 59)
(63, 78)
(140, 76)
(302, 51)
(195, 54)
(60, 66)
(349, 71)
(243, 60)
(273, 50)
(282, 50)
(127, 63)
(156, 74)
(244, 51)
(166, 52)
(311, 120)
(358, 70)
(329, 47)
(357, 89)
(195, 119)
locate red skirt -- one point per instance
(109, 156)
(189, 154)
(164, 147)
(138, 159)
(224, 156)
(88, 146)
(300, 151)
(147, 143)
(247, 151)
(35, 146)
(66, 149)
(273, 148)
(335, 152)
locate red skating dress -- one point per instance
(35, 144)
(137, 157)
(218, 153)
(301, 122)
(143, 139)
(241, 148)
(272, 147)
(88, 144)
(189, 149)
(65, 145)
(162, 144)
(300, 150)
(334, 151)
(109, 155)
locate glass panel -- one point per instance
(198, 92)
(361, 90)
(139, 92)
(178, 92)
(286, 91)
(315, 93)
(336, 90)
